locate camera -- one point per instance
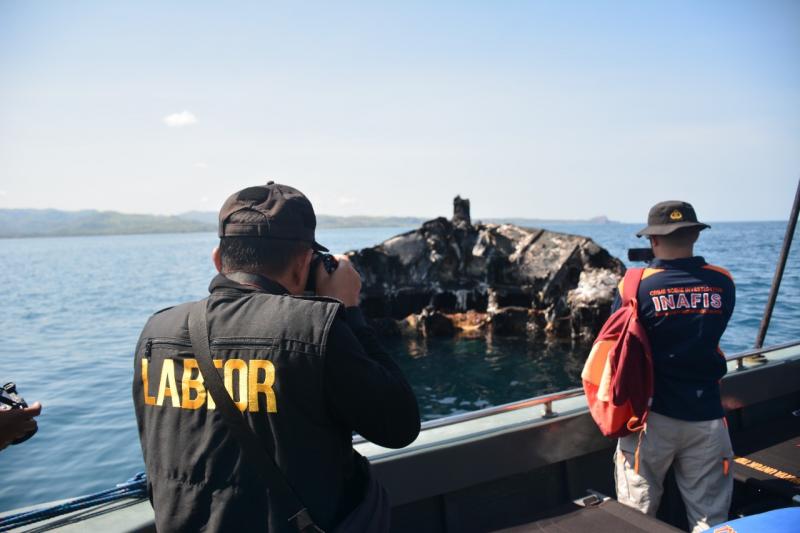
(329, 263)
(640, 254)
(10, 399)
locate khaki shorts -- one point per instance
(702, 456)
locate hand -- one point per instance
(344, 284)
(16, 423)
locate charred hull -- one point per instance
(453, 277)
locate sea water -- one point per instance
(73, 309)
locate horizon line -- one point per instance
(420, 217)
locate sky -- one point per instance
(558, 109)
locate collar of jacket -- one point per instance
(244, 281)
(682, 263)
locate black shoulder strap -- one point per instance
(252, 449)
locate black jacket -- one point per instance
(306, 374)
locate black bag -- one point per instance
(372, 515)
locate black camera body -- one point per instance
(10, 399)
(329, 263)
(641, 254)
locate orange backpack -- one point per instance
(618, 375)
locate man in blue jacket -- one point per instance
(685, 305)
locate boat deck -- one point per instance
(767, 467)
(606, 517)
(513, 466)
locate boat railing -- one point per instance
(547, 400)
(741, 356)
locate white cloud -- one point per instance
(3, 194)
(347, 200)
(201, 164)
(179, 120)
(204, 200)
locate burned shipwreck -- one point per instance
(453, 277)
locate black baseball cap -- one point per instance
(669, 216)
(271, 211)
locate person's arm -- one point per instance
(730, 294)
(365, 388)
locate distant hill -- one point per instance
(55, 223)
(330, 221)
(207, 217)
(538, 222)
(326, 221)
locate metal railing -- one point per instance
(740, 357)
(547, 400)
(779, 267)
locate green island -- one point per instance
(18, 223)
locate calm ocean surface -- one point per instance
(74, 307)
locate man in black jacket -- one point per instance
(304, 372)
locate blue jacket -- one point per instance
(685, 305)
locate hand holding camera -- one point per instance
(335, 277)
(17, 422)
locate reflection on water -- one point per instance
(455, 377)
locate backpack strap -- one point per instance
(630, 284)
(630, 291)
(253, 451)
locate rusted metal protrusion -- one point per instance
(461, 214)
